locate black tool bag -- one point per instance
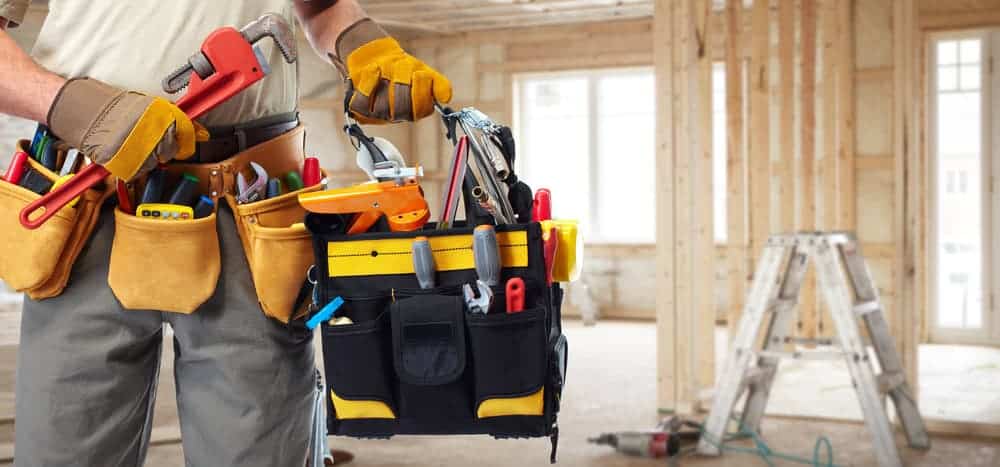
(416, 361)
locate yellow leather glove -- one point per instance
(386, 84)
(127, 132)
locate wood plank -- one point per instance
(786, 163)
(736, 199)
(685, 53)
(907, 218)
(828, 171)
(960, 20)
(666, 327)
(847, 218)
(703, 198)
(760, 129)
(808, 319)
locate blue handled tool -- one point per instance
(325, 314)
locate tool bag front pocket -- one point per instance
(164, 265)
(508, 352)
(38, 262)
(358, 363)
(429, 354)
(278, 248)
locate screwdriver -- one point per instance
(486, 253)
(423, 262)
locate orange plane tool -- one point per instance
(403, 205)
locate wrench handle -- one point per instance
(56, 199)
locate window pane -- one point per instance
(947, 52)
(626, 129)
(947, 78)
(969, 77)
(959, 242)
(969, 51)
(554, 146)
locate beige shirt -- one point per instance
(134, 44)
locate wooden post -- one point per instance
(685, 54)
(845, 114)
(702, 197)
(908, 226)
(828, 171)
(760, 128)
(807, 175)
(736, 199)
(786, 164)
(666, 320)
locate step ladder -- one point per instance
(847, 288)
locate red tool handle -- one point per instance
(52, 202)
(515, 295)
(541, 209)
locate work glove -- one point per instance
(127, 132)
(386, 84)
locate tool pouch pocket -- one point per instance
(449, 371)
(39, 262)
(164, 265)
(360, 361)
(510, 376)
(278, 249)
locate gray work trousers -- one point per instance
(87, 372)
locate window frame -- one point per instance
(990, 327)
(593, 77)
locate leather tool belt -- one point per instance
(171, 265)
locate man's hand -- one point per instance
(385, 84)
(126, 132)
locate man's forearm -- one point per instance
(323, 28)
(26, 89)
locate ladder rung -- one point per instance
(822, 341)
(802, 355)
(864, 308)
(887, 382)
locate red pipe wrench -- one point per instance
(228, 62)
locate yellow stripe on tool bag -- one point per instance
(394, 255)
(351, 410)
(533, 405)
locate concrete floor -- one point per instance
(611, 387)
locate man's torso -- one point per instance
(135, 44)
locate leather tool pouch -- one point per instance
(415, 361)
(278, 251)
(164, 265)
(39, 262)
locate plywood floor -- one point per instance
(611, 387)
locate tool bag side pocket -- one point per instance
(278, 248)
(38, 262)
(164, 265)
(358, 363)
